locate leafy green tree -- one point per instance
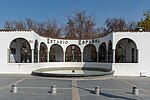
(145, 23)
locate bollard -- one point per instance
(53, 89)
(14, 88)
(135, 91)
(97, 90)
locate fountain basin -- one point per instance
(72, 71)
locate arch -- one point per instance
(126, 51)
(89, 53)
(20, 51)
(56, 53)
(73, 54)
(110, 52)
(43, 52)
(36, 51)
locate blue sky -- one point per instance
(41, 10)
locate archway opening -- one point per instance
(56, 53)
(43, 52)
(20, 51)
(126, 51)
(73, 54)
(89, 53)
(102, 53)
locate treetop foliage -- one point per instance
(145, 23)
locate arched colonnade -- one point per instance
(20, 52)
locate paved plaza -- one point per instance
(79, 88)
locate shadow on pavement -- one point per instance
(105, 94)
(116, 96)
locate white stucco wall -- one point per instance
(5, 40)
(142, 40)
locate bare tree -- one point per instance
(8, 25)
(115, 24)
(132, 26)
(14, 25)
(46, 29)
(52, 29)
(20, 26)
(70, 30)
(101, 31)
(118, 24)
(30, 24)
(80, 25)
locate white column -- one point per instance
(38, 56)
(32, 55)
(64, 56)
(81, 56)
(137, 56)
(97, 56)
(47, 56)
(8, 56)
(106, 56)
(113, 55)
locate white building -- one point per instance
(126, 53)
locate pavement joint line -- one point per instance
(18, 81)
(131, 84)
(42, 88)
(64, 88)
(75, 92)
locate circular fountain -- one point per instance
(72, 71)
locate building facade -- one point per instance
(126, 53)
